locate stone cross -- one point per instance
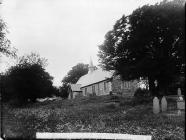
(180, 101)
(156, 106)
(179, 92)
(179, 113)
(156, 83)
(163, 104)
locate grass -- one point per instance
(96, 114)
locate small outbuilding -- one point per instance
(74, 91)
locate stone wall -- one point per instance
(125, 88)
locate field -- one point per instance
(109, 114)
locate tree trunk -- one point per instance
(162, 87)
(151, 85)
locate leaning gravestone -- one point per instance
(156, 106)
(163, 104)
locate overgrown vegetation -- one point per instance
(110, 114)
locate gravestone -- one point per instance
(180, 101)
(156, 106)
(163, 104)
(179, 92)
(181, 104)
(179, 113)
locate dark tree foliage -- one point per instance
(72, 77)
(31, 59)
(26, 82)
(75, 73)
(149, 43)
(64, 90)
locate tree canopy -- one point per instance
(149, 43)
(31, 59)
(27, 80)
(75, 73)
(5, 42)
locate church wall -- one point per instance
(101, 88)
(89, 90)
(97, 89)
(126, 88)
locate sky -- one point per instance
(66, 32)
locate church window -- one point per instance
(105, 86)
(85, 91)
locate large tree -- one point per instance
(27, 80)
(75, 73)
(149, 43)
(5, 42)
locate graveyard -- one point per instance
(105, 114)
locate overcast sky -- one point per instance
(66, 32)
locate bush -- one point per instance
(64, 91)
(91, 94)
(26, 81)
(141, 96)
(111, 106)
(141, 93)
(114, 97)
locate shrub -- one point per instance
(27, 81)
(140, 93)
(92, 94)
(111, 106)
(141, 96)
(114, 97)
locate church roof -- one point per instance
(94, 77)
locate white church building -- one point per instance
(96, 82)
(99, 82)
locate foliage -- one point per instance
(72, 77)
(149, 43)
(141, 93)
(64, 90)
(75, 73)
(141, 96)
(27, 81)
(179, 83)
(91, 115)
(31, 59)
(5, 42)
